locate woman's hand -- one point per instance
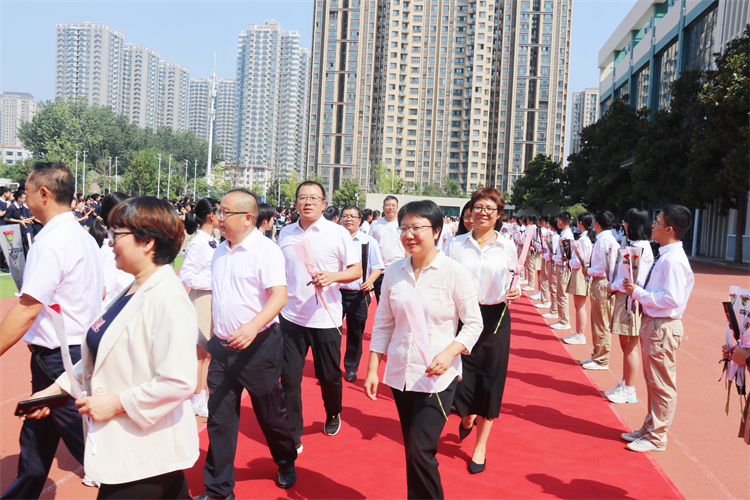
(512, 295)
(52, 390)
(440, 364)
(100, 408)
(371, 385)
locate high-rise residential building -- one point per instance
(585, 112)
(173, 95)
(89, 63)
(224, 110)
(140, 85)
(466, 90)
(269, 99)
(200, 89)
(15, 108)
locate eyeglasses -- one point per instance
(112, 235)
(660, 224)
(413, 230)
(312, 199)
(467, 217)
(223, 215)
(350, 217)
(486, 210)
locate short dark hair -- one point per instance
(565, 217)
(265, 213)
(109, 202)
(426, 209)
(331, 212)
(491, 194)
(544, 218)
(310, 183)
(639, 224)
(375, 214)
(352, 207)
(56, 177)
(605, 219)
(19, 193)
(389, 198)
(365, 213)
(678, 217)
(150, 218)
(3, 190)
(532, 219)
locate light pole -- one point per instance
(195, 180)
(84, 173)
(116, 157)
(158, 181)
(76, 190)
(187, 164)
(110, 174)
(169, 175)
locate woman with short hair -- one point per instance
(138, 364)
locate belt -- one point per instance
(39, 349)
(260, 336)
(351, 293)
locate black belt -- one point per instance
(39, 349)
(260, 336)
(351, 293)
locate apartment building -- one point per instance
(224, 111)
(15, 108)
(585, 112)
(173, 95)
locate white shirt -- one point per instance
(668, 290)
(489, 267)
(115, 280)
(365, 227)
(241, 279)
(605, 241)
(447, 295)
(386, 234)
(374, 260)
(567, 234)
(63, 267)
(333, 251)
(644, 264)
(586, 246)
(196, 264)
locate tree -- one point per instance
(140, 178)
(432, 190)
(386, 181)
(540, 184)
(349, 193)
(575, 210)
(452, 189)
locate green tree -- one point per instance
(540, 184)
(140, 178)
(386, 181)
(576, 210)
(452, 189)
(349, 193)
(432, 190)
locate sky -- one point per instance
(191, 32)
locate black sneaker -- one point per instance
(287, 476)
(333, 424)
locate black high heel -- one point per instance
(475, 468)
(463, 432)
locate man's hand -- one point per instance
(18, 321)
(52, 390)
(243, 336)
(324, 278)
(100, 408)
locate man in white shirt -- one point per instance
(312, 317)
(562, 272)
(663, 299)
(355, 296)
(63, 272)
(603, 257)
(531, 261)
(249, 290)
(385, 232)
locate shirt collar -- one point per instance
(668, 248)
(205, 236)
(470, 238)
(406, 263)
(246, 243)
(57, 220)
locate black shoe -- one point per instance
(475, 468)
(463, 432)
(287, 476)
(351, 376)
(333, 424)
(207, 496)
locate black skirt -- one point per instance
(485, 370)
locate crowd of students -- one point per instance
(258, 306)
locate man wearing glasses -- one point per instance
(310, 319)
(355, 296)
(386, 234)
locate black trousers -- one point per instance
(166, 486)
(326, 348)
(355, 311)
(422, 422)
(39, 438)
(378, 286)
(257, 369)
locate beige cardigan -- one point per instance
(148, 357)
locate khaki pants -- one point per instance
(552, 281)
(530, 269)
(544, 285)
(562, 277)
(660, 339)
(601, 318)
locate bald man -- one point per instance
(248, 280)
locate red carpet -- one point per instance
(556, 437)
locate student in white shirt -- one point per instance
(531, 265)
(545, 264)
(447, 296)
(605, 249)
(491, 262)
(63, 269)
(305, 322)
(578, 285)
(553, 240)
(366, 221)
(637, 226)
(355, 296)
(562, 271)
(663, 298)
(195, 274)
(249, 290)
(385, 233)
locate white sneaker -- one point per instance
(631, 436)
(643, 445)
(559, 326)
(87, 481)
(536, 296)
(524, 282)
(201, 408)
(593, 365)
(549, 315)
(585, 361)
(615, 388)
(623, 395)
(576, 339)
(528, 289)
(543, 305)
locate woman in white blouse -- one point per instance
(578, 286)
(439, 289)
(491, 261)
(195, 274)
(638, 231)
